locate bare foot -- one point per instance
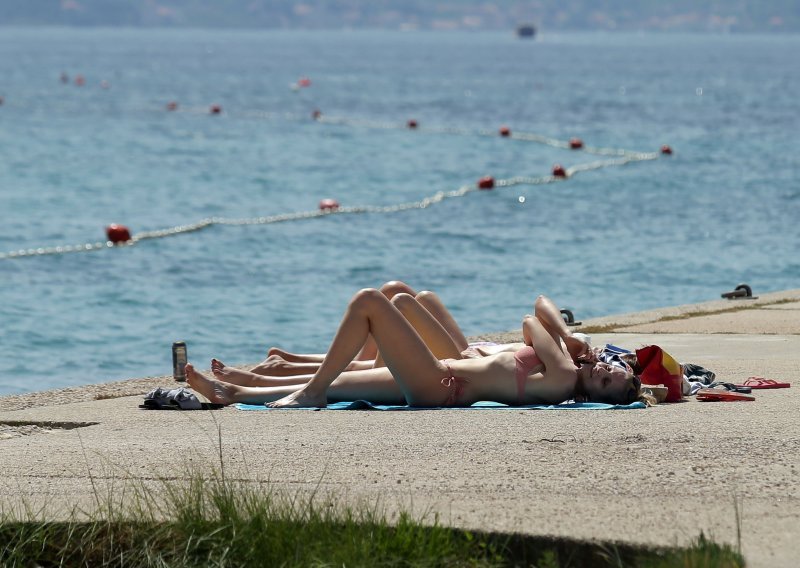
(278, 352)
(213, 390)
(230, 375)
(272, 365)
(300, 399)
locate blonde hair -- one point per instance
(637, 394)
(642, 395)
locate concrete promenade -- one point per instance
(655, 476)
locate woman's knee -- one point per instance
(368, 298)
(403, 300)
(393, 287)
(428, 298)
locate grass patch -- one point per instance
(221, 523)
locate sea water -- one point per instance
(723, 209)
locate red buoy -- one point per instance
(172, 105)
(505, 131)
(666, 149)
(215, 109)
(412, 123)
(559, 171)
(486, 182)
(118, 234)
(575, 143)
(304, 82)
(317, 114)
(328, 205)
(80, 81)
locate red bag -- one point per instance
(659, 368)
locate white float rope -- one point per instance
(120, 236)
(503, 131)
(411, 124)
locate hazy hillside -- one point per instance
(685, 15)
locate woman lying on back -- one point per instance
(428, 371)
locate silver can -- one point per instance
(179, 360)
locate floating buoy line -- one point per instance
(413, 124)
(120, 235)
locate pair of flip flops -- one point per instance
(762, 383)
(175, 399)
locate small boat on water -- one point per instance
(526, 30)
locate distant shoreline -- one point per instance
(511, 32)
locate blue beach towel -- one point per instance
(482, 405)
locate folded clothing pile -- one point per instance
(175, 399)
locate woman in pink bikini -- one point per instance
(424, 367)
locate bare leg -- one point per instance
(227, 393)
(296, 357)
(417, 371)
(275, 366)
(375, 385)
(283, 363)
(432, 332)
(431, 302)
(244, 378)
(390, 289)
(368, 351)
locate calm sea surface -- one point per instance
(722, 210)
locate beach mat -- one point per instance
(482, 405)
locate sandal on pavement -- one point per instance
(720, 395)
(762, 383)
